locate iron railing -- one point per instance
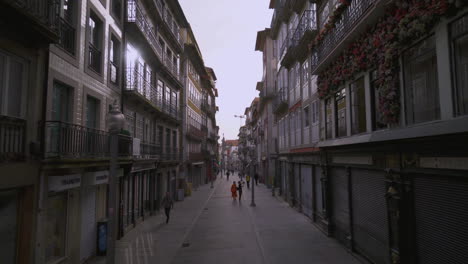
(150, 150)
(308, 22)
(43, 11)
(65, 140)
(66, 36)
(12, 138)
(348, 20)
(94, 59)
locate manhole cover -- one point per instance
(185, 244)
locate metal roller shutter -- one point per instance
(340, 205)
(370, 224)
(306, 188)
(88, 223)
(441, 212)
(318, 189)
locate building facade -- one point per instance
(370, 112)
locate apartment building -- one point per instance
(199, 109)
(151, 102)
(24, 51)
(370, 111)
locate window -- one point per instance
(377, 117)
(328, 119)
(292, 86)
(92, 112)
(315, 112)
(13, 84)
(358, 107)
(174, 140)
(306, 117)
(160, 135)
(340, 107)
(297, 76)
(168, 140)
(305, 76)
(459, 33)
(95, 45)
(117, 9)
(313, 84)
(159, 92)
(67, 26)
(130, 118)
(421, 87)
(56, 227)
(114, 60)
(61, 102)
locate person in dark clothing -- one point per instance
(256, 178)
(227, 175)
(168, 205)
(239, 189)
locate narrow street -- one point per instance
(209, 227)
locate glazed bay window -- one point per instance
(305, 78)
(459, 34)
(114, 60)
(377, 117)
(358, 107)
(421, 86)
(95, 43)
(340, 113)
(328, 119)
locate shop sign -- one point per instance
(97, 177)
(65, 182)
(198, 163)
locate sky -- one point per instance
(226, 31)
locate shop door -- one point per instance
(8, 225)
(370, 224)
(297, 184)
(318, 205)
(306, 189)
(441, 212)
(88, 223)
(340, 204)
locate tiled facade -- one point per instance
(70, 68)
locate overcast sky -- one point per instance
(226, 31)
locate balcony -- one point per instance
(304, 33)
(136, 17)
(66, 36)
(149, 150)
(12, 138)
(344, 27)
(138, 85)
(69, 141)
(280, 102)
(286, 58)
(170, 154)
(38, 12)
(195, 133)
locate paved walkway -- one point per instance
(209, 227)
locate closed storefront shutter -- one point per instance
(340, 206)
(318, 189)
(306, 187)
(88, 222)
(441, 212)
(297, 182)
(370, 224)
(283, 177)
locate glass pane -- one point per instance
(92, 109)
(2, 78)
(56, 227)
(358, 107)
(8, 228)
(461, 57)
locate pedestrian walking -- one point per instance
(239, 189)
(234, 191)
(247, 178)
(227, 175)
(256, 178)
(168, 204)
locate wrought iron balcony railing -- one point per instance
(65, 140)
(281, 99)
(150, 150)
(66, 36)
(43, 11)
(12, 138)
(348, 20)
(94, 59)
(308, 22)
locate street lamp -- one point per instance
(115, 122)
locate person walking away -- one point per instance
(256, 178)
(239, 189)
(234, 191)
(227, 175)
(168, 205)
(247, 178)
